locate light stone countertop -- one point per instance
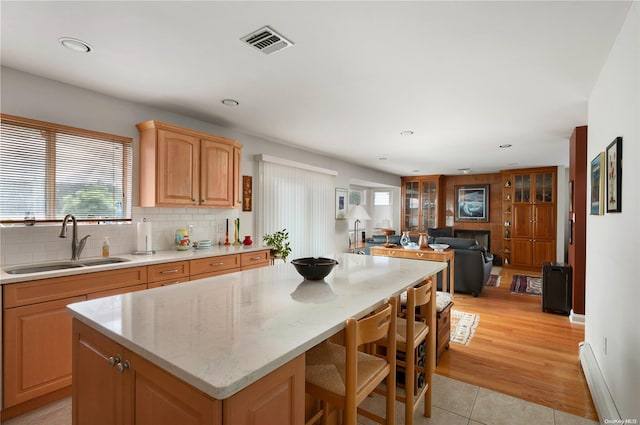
(134, 261)
(223, 333)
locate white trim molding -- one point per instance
(606, 407)
(576, 318)
(281, 161)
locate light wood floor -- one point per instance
(520, 351)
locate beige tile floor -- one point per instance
(454, 403)
(458, 403)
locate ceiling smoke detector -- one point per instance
(266, 40)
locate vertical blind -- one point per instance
(50, 170)
(300, 200)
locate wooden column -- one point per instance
(578, 174)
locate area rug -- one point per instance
(530, 285)
(494, 280)
(463, 326)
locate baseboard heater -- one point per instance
(607, 411)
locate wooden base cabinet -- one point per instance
(114, 386)
(37, 332)
(37, 350)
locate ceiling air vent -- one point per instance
(266, 40)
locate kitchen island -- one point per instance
(222, 339)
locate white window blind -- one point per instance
(51, 170)
(300, 200)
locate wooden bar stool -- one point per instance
(343, 376)
(411, 340)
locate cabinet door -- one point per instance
(521, 252)
(411, 206)
(543, 188)
(544, 218)
(177, 169)
(522, 219)
(543, 252)
(37, 350)
(521, 188)
(97, 385)
(217, 175)
(159, 398)
(237, 183)
(429, 207)
(278, 398)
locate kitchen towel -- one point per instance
(143, 236)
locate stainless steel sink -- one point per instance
(101, 261)
(61, 265)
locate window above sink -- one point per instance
(49, 170)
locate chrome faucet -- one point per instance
(76, 247)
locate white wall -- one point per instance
(613, 253)
(33, 97)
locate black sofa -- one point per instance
(472, 264)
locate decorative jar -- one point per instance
(247, 241)
(404, 240)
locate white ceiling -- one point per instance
(466, 77)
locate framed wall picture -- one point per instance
(472, 203)
(597, 184)
(247, 189)
(341, 204)
(614, 175)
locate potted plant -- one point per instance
(279, 243)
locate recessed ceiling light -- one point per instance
(75, 44)
(230, 102)
(406, 133)
(415, 171)
(511, 164)
(506, 145)
(465, 170)
(382, 158)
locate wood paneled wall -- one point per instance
(494, 225)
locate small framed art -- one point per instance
(341, 204)
(597, 184)
(614, 176)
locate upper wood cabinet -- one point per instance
(421, 203)
(182, 167)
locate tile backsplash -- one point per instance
(20, 244)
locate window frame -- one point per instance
(50, 164)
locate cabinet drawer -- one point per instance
(214, 264)
(37, 291)
(168, 282)
(252, 260)
(166, 271)
(118, 291)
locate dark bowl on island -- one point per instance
(314, 268)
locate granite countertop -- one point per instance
(223, 333)
(134, 261)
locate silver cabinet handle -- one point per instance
(123, 366)
(216, 264)
(114, 360)
(170, 283)
(169, 271)
(256, 258)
